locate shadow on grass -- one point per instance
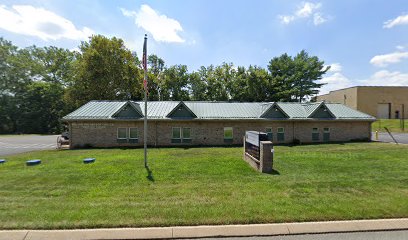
(274, 172)
(149, 174)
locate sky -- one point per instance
(364, 41)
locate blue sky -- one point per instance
(366, 42)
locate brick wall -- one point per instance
(104, 133)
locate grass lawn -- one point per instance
(203, 186)
(394, 125)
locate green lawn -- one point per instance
(203, 186)
(394, 125)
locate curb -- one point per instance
(210, 231)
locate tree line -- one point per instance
(39, 85)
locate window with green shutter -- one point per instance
(281, 134)
(315, 134)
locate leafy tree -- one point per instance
(156, 68)
(198, 87)
(295, 78)
(176, 83)
(106, 70)
(41, 108)
(54, 65)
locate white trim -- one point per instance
(182, 132)
(117, 133)
(137, 133)
(283, 130)
(172, 137)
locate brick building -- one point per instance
(172, 123)
(384, 102)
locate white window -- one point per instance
(133, 133)
(186, 133)
(122, 133)
(176, 133)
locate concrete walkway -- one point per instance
(210, 231)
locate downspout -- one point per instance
(293, 131)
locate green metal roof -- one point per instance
(214, 110)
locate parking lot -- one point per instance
(385, 137)
(26, 143)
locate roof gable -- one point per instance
(321, 111)
(128, 111)
(274, 111)
(181, 111)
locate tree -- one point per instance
(156, 68)
(295, 78)
(176, 83)
(106, 70)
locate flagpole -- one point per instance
(145, 98)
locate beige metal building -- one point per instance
(379, 101)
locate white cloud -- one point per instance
(318, 19)
(162, 28)
(386, 78)
(38, 22)
(286, 19)
(386, 59)
(305, 10)
(335, 67)
(334, 82)
(400, 20)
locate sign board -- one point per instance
(253, 139)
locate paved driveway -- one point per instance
(25, 143)
(388, 235)
(385, 137)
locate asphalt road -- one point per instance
(26, 143)
(389, 235)
(385, 137)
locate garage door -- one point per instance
(383, 110)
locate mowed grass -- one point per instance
(394, 125)
(203, 186)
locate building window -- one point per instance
(186, 136)
(228, 134)
(133, 133)
(281, 134)
(326, 134)
(133, 137)
(181, 135)
(269, 133)
(122, 133)
(315, 134)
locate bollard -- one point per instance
(376, 135)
